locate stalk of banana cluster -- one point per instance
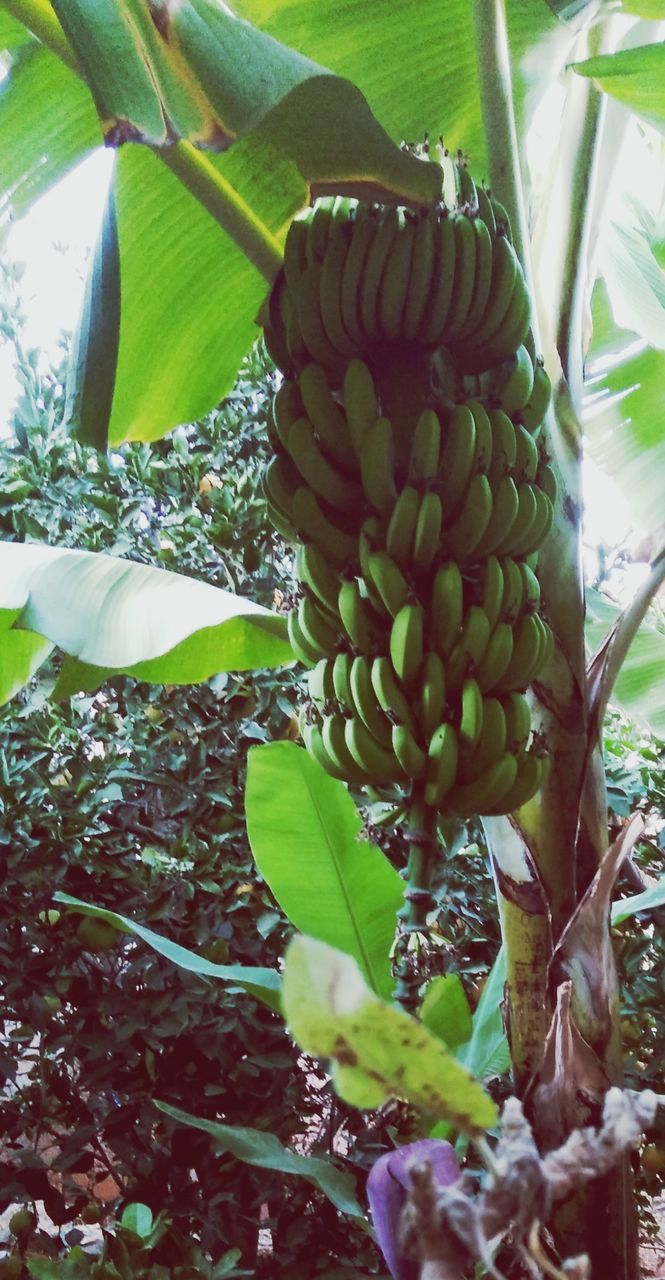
(409, 474)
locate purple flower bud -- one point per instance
(387, 1188)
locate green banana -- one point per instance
(313, 740)
(484, 438)
(442, 757)
(485, 211)
(516, 387)
(547, 481)
(280, 482)
(318, 229)
(432, 693)
(320, 683)
(504, 446)
(426, 447)
(469, 651)
(402, 526)
(506, 338)
(316, 340)
(422, 264)
(341, 677)
(532, 413)
(547, 642)
(530, 775)
(482, 280)
(320, 632)
(406, 642)
(486, 792)
(390, 695)
(531, 588)
(295, 251)
(333, 733)
(496, 658)
(365, 226)
(314, 526)
(537, 532)
(443, 272)
(525, 662)
(366, 702)
(381, 766)
(428, 531)
(466, 188)
(513, 594)
(377, 466)
(505, 506)
(332, 270)
(394, 286)
(491, 743)
(447, 607)
(465, 274)
(314, 571)
(526, 455)
(305, 653)
(458, 458)
(518, 722)
(523, 523)
(360, 402)
(388, 581)
(375, 262)
(471, 717)
(286, 408)
(493, 587)
(501, 218)
(321, 476)
(461, 538)
(325, 416)
(505, 272)
(410, 756)
(359, 619)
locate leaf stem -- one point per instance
(421, 836)
(194, 170)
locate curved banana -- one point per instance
(482, 280)
(295, 251)
(469, 651)
(325, 416)
(320, 632)
(361, 623)
(410, 755)
(491, 743)
(314, 571)
(341, 678)
(532, 413)
(333, 733)
(315, 338)
(406, 642)
(458, 458)
(496, 658)
(531, 602)
(320, 684)
(493, 586)
(547, 481)
(486, 793)
(332, 269)
(377, 466)
(394, 286)
(314, 526)
(313, 739)
(442, 757)
(381, 766)
(390, 694)
(505, 273)
(402, 526)
(525, 662)
(365, 227)
(420, 279)
(513, 595)
(471, 717)
(388, 580)
(484, 438)
(305, 653)
(526, 456)
(523, 523)
(360, 402)
(388, 227)
(366, 702)
(501, 219)
(465, 274)
(287, 407)
(321, 476)
(485, 211)
(318, 229)
(504, 446)
(518, 722)
(447, 607)
(280, 482)
(516, 386)
(505, 506)
(530, 774)
(428, 531)
(443, 272)
(426, 447)
(432, 693)
(461, 538)
(537, 532)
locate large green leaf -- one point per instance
(304, 830)
(445, 1010)
(265, 1151)
(487, 1053)
(635, 283)
(21, 654)
(39, 141)
(264, 984)
(635, 77)
(652, 897)
(114, 615)
(378, 1051)
(640, 687)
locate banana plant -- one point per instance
(215, 157)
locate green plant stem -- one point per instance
(420, 834)
(194, 170)
(496, 101)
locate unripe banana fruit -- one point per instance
(416, 513)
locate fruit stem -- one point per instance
(420, 834)
(194, 170)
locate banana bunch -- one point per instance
(416, 606)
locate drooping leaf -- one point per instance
(304, 829)
(113, 615)
(635, 77)
(640, 686)
(378, 1051)
(445, 1010)
(264, 984)
(265, 1151)
(39, 145)
(652, 897)
(21, 654)
(487, 1053)
(635, 283)
(91, 378)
